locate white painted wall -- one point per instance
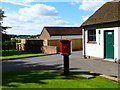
(118, 43)
(83, 40)
(97, 49)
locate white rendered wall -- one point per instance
(97, 49)
(89, 47)
(118, 43)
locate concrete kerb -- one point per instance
(104, 76)
(111, 78)
(26, 57)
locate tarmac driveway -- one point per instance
(55, 62)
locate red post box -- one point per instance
(65, 50)
(65, 47)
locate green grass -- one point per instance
(10, 54)
(52, 79)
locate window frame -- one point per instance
(92, 35)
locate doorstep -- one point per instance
(109, 60)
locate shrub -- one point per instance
(9, 45)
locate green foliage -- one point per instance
(2, 28)
(9, 45)
(5, 37)
(52, 79)
(1, 14)
(15, 41)
(10, 42)
(24, 36)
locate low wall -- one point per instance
(49, 49)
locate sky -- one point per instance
(28, 17)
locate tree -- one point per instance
(3, 28)
(1, 18)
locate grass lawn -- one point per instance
(17, 54)
(52, 79)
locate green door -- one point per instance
(109, 44)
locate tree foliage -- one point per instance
(3, 28)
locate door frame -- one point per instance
(105, 42)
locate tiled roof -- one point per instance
(54, 31)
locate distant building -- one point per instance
(101, 33)
(61, 33)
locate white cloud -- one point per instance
(85, 18)
(39, 9)
(75, 2)
(17, 2)
(31, 20)
(28, 1)
(91, 4)
(60, 22)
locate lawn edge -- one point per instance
(25, 57)
(111, 78)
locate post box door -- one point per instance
(65, 48)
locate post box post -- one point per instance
(65, 50)
(66, 64)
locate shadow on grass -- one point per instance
(23, 73)
(27, 77)
(15, 52)
(24, 77)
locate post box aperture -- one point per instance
(65, 47)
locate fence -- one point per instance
(76, 44)
(30, 45)
(46, 46)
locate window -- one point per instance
(91, 35)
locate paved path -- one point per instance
(55, 62)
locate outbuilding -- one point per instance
(51, 33)
(101, 33)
